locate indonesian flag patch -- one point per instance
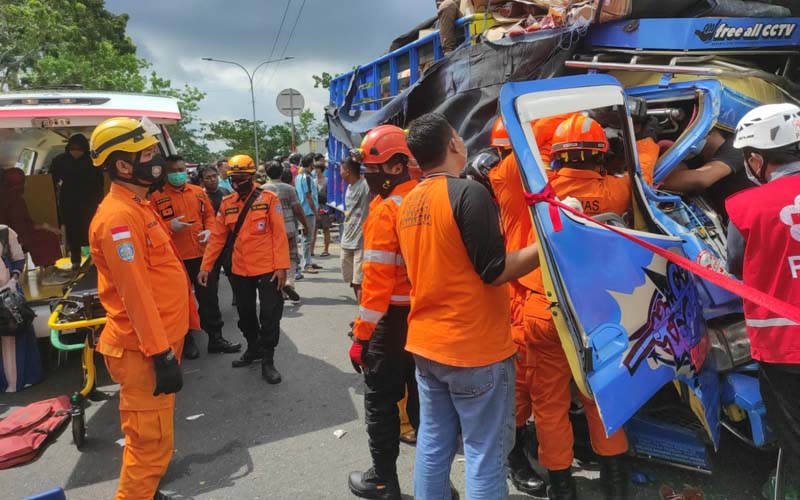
(120, 233)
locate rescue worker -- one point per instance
(764, 251)
(506, 185)
(579, 146)
(379, 332)
(459, 328)
(80, 190)
(190, 215)
(146, 293)
(259, 256)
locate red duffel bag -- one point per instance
(26, 429)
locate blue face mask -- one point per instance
(177, 179)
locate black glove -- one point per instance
(169, 378)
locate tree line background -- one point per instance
(78, 44)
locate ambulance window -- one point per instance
(27, 160)
(403, 72)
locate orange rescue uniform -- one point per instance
(550, 374)
(261, 246)
(145, 291)
(193, 204)
(385, 278)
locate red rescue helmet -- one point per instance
(500, 135)
(383, 142)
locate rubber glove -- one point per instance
(358, 351)
(169, 378)
(177, 224)
(205, 235)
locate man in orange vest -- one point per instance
(250, 223)
(147, 297)
(459, 328)
(189, 212)
(379, 332)
(506, 185)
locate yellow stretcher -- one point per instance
(79, 315)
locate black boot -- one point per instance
(217, 343)
(268, 371)
(161, 496)
(250, 355)
(562, 486)
(369, 485)
(190, 350)
(522, 475)
(614, 477)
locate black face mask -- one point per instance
(382, 184)
(242, 187)
(147, 173)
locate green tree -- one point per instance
(66, 42)
(56, 43)
(323, 80)
(237, 136)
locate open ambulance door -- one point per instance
(627, 318)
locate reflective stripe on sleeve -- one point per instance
(383, 257)
(400, 298)
(767, 323)
(369, 315)
(396, 199)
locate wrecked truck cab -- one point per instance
(634, 325)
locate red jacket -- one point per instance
(769, 219)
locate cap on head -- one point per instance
(241, 164)
(383, 142)
(122, 134)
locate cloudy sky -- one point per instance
(331, 35)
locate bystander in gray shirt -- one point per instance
(356, 202)
(288, 196)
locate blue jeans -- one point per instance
(308, 237)
(479, 403)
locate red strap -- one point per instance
(777, 306)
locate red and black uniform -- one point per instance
(766, 224)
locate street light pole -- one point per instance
(250, 76)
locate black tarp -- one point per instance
(464, 86)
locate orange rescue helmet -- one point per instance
(241, 164)
(579, 133)
(383, 142)
(500, 137)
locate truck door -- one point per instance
(628, 319)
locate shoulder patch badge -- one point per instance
(232, 210)
(125, 252)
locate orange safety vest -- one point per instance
(456, 319)
(193, 204)
(261, 246)
(385, 278)
(141, 281)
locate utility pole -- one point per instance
(250, 76)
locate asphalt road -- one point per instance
(256, 441)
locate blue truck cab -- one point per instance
(663, 352)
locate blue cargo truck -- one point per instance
(664, 353)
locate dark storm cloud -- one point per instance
(332, 36)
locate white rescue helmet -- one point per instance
(769, 127)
